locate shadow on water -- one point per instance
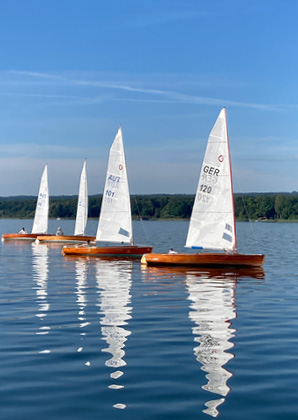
(211, 293)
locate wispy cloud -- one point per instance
(87, 83)
(134, 93)
(173, 97)
(40, 95)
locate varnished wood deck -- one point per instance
(128, 251)
(64, 238)
(20, 236)
(204, 260)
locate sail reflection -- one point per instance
(212, 308)
(81, 284)
(40, 276)
(114, 284)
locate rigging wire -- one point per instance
(245, 208)
(140, 219)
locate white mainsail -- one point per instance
(115, 223)
(82, 208)
(40, 224)
(212, 223)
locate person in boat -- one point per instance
(23, 231)
(171, 251)
(59, 232)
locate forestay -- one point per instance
(40, 224)
(212, 223)
(82, 208)
(115, 223)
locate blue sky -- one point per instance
(73, 70)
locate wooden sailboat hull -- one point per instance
(204, 260)
(132, 251)
(20, 236)
(62, 239)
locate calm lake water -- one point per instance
(98, 339)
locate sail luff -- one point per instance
(115, 224)
(231, 181)
(212, 222)
(40, 223)
(82, 207)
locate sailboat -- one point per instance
(115, 222)
(81, 217)
(40, 223)
(212, 224)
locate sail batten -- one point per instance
(115, 223)
(82, 207)
(212, 224)
(40, 223)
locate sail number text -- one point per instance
(113, 181)
(109, 194)
(41, 199)
(211, 170)
(210, 174)
(112, 187)
(204, 198)
(205, 188)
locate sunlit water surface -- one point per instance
(101, 339)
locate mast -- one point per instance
(231, 178)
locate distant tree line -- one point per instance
(267, 206)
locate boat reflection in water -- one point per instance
(114, 284)
(212, 308)
(81, 285)
(40, 276)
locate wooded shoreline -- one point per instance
(253, 206)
